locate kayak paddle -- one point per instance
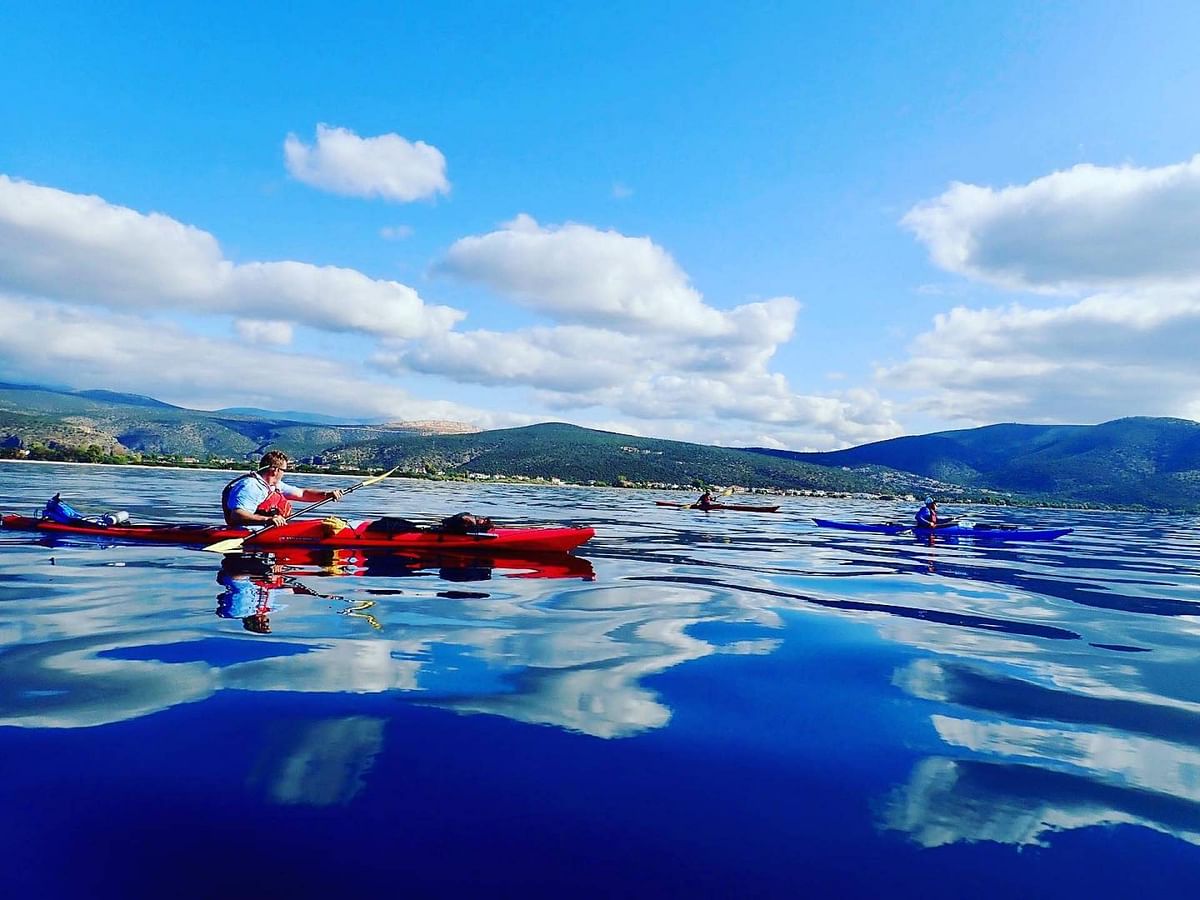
(233, 544)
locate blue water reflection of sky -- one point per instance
(719, 704)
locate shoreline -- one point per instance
(549, 485)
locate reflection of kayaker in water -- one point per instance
(254, 583)
(252, 588)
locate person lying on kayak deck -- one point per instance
(927, 516)
(262, 497)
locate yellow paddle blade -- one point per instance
(375, 478)
(230, 545)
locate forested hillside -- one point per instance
(1136, 461)
(1153, 463)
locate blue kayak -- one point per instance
(977, 530)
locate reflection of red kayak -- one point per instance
(315, 533)
(457, 566)
(719, 506)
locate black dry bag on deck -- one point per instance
(392, 525)
(465, 523)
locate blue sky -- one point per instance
(787, 224)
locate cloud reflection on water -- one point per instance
(1020, 723)
(319, 763)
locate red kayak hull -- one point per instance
(314, 533)
(719, 506)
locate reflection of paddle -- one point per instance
(299, 587)
(232, 544)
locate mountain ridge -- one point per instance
(1134, 462)
(1128, 461)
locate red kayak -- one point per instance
(316, 533)
(719, 506)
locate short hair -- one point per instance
(273, 459)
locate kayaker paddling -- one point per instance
(927, 516)
(262, 497)
(708, 501)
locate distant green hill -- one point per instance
(290, 416)
(130, 422)
(123, 423)
(584, 455)
(1153, 463)
(126, 399)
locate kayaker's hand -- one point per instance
(335, 495)
(275, 520)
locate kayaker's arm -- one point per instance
(248, 519)
(307, 495)
(311, 496)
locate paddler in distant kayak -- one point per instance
(706, 501)
(927, 516)
(262, 498)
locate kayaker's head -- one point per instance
(273, 464)
(929, 501)
(257, 624)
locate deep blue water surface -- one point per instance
(722, 704)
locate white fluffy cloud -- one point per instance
(636, 339)
(386, 166)
(82, 249)
(637, 343)
(47, 342)
(1126, 237)
(1086, 227)
(258, 331)
(1107, 356)
(576, 273)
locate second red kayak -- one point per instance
(317, 533)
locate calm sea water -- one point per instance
(720, 704)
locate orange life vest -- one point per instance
(275, 504)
